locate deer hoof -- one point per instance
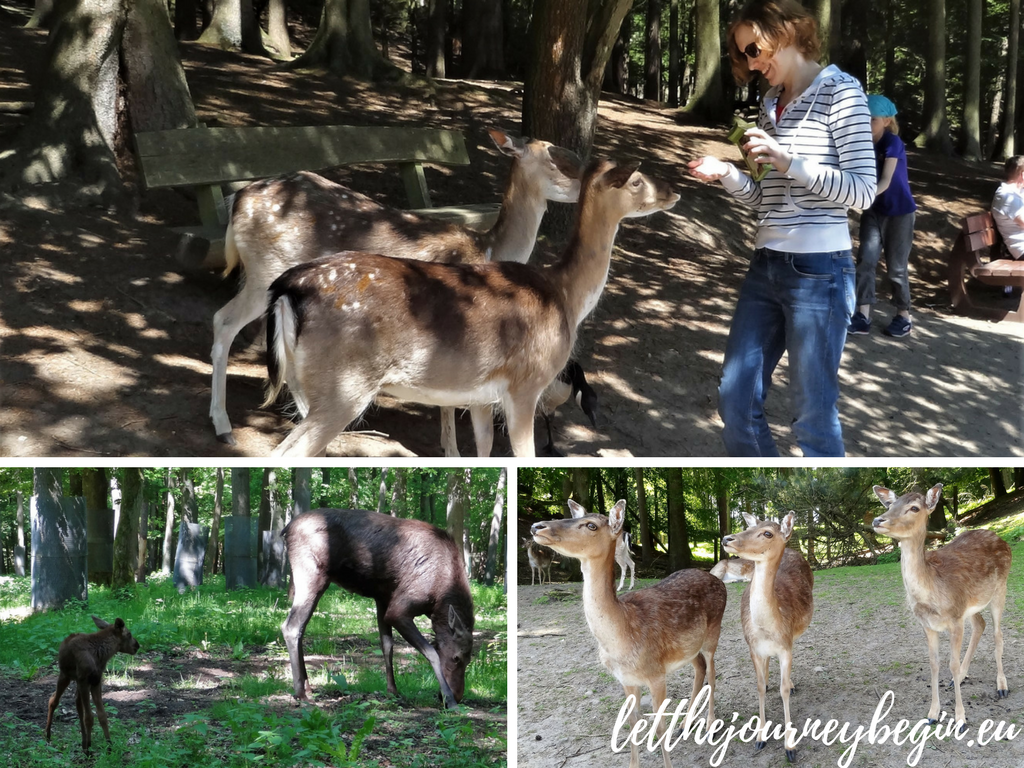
(961, 729)
(1003, 693)
(932, 721)
(227, 438)
(759, 745)
(791, 755)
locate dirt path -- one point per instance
(104, 344)
(859, 645)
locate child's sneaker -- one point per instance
(859, 325)
(899, 327)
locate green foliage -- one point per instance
(888, 557)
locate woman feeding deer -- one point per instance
(814, 129)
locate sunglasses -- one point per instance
(751, 51)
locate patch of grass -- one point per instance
(258, 687)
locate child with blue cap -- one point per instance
(888, 224)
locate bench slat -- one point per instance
(977, 223)
(983, 239)
(198, 156)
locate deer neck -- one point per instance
(764, 606)
(918, 576)
(515, 232)
(582, 271)
(600, 603)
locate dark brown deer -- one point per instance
(409, 568)
(278, 223)
(949, 585)
(83, 657)
(345, 328)
(641, 635)
(776, 608)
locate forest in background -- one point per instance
(678, 516)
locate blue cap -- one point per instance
(880, 106)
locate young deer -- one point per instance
(776, 607)
(948, 585)
(345, 328)
(83, 658)
(733, 569)
(278, 223)
(540, 559)
(643, 635)
(624, 561)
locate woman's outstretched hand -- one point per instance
(708, 168)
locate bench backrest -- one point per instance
(212, 156)
(980, 232)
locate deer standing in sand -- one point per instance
(540, 559)
(949, 585)
(278, 223)
(624, 560)
(642, 635)
(345, 328)
(776, 608)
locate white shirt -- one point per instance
(1007, 206)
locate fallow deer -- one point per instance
(540, 559)
(83, 657)
(948, 585)
(642, 635)
(624, 561)
(278, 223)
(345, 328)
(776, 608)
(733, 569)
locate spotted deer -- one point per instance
(345, 328)
(776, 608)
(83, 657)
(642, 635)
(540, 559)
(624, 561)
(276, 224)
(949, 585)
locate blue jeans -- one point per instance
(896, 235)
(799, 303)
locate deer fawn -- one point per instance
(733, 569)
(643, 635)
(624, 561)
(776, 607)
(948, 585)
(278, 223)
(83, 658)
(345, 328)
(540, 559)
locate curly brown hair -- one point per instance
(776, 24)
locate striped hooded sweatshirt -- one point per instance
(827, 130)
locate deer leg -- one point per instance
(632, 573)
(519, 411)
(634, 718)
(700, 670)
(785, 684)
(622, 579)
(248, 305)
(956, 640)
(323, 424)
(709, 658)
(659, 692)
(998, 601)
(483, 429)
(387, 646)
(304, 602)
(449, 440)
(977, 628)
(761, 670)
(84, 714)
(407, 629)
(63, 681)
(101, 713)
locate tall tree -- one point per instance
(935, 133)
(722, 501)
(234, 27)
(20, 551)
(437, 23)
(353, 488)
(652, 52)
(581, 487)
(646, 543)
(167, 563)
(126, 539)
(189, 504)
(458, 491)
(302, 490)
(398, 493)
(344, 43)
(673, 53)
(325, 487)
(218, 509)
(277, 29)
(382, 494)
(1012, 74)
(708, 100)
(483, 45)
(972, 83)
(678, 535)
(58, 543)
(998, 485)
(494, 539)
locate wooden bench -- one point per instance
(979, 253)
(207, 158)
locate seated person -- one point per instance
(1008, 207)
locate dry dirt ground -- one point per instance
(104, 342)
(860, 644)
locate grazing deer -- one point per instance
(948, 585)
(733, 569)
(278, 223)
(409, 568)
(643, 635)
(83, 658)
(776, 607)
(345, 328)
(624, 561)
(540, 559)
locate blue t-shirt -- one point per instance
(896, 200)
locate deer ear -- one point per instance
(576, 509)
(750, 520)
(884, 495)
(617, 516)
(787, 526)
(932, 497)
(506, 144)
(455, 624)
(100, 622)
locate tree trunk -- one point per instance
(646, 542)
(652, 52)
(437, 17)
(722, 499)
(494, 540)
(998, 486)
(167, 564)
(344, 44)
(483, 45)
(382, 493)
(234, 27)
(678, 536)
(616, 71)
(240, 494)
(998, 97)
(325, 487)
(353, 488)
(302, 491)
(267, 483)
(673, 53)
(889, 78)
(972, 83)
(277, 29)
(126, 540)
(42, 16)
(456, 515)
(581, 487)
(99, 524)
(218, 510)
(1012, 56)
(20, 551)
(398, 493)
(708, 101)
(185, 26)
(189, 505)
(935, 134)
